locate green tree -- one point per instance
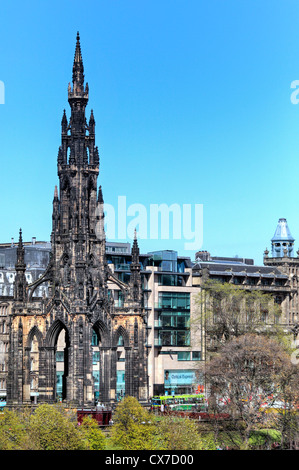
(93, 435)
(134, 427)
(182, 434)
(13, 432)
(53, 428)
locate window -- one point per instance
(3, 310)
(174, 318)
(124, 277)
(94, 339)
(59, 356)
(174, 300)
(196, 355)
(96, 378)
(118, 298)
(59, 380)
(95, 357)
(174, 338)
(170, 280)
(184, 356)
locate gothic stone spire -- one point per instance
(20, 279)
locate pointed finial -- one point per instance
(78, 56)
(78, 69)
(64, 122)
(20, 251)
(135, 249)
(100, 196)
(55, 192)
(91, 119)
(135, 265)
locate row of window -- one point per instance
(174, 320)
(3, 310)
(170, 280)
(174, 300)
(252, 280)
(173, 338)
(189, 355)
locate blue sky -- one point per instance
(192, 106)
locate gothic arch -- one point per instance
(54, 331)
(121, 331)
(35, 332)
(101, 329)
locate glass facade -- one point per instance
(174, 319)
(174, 300)
(167, 261)
(170, 280)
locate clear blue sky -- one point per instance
(192, 106)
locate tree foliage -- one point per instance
(229, 311)
(133, 428)
(94, 437)
(13, 435)
(52, 428)
(182, 434)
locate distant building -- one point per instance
(282, 241)
(284, 260)
(37, 256)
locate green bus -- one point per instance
(186, 402)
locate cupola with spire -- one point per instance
(282, 241)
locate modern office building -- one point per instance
(168, 299)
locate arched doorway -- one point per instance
(120, 369)
(96, 364)
(62, 363)
(59, 343)
(34, 369)
(101, 362)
